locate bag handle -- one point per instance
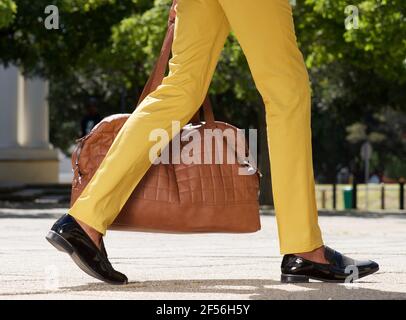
(158, 72)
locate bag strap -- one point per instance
(158, 72)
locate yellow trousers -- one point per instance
(265, 31)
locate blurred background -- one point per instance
(66, 64)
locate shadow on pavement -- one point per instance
(257, 289)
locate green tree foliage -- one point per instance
(7, 12)
(378, 44)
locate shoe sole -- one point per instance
(293, 278)
(64, 246)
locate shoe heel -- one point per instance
(293, 278)
(59, 242)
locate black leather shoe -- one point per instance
(296, 269)
(67, 235)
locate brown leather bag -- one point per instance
(177, 197)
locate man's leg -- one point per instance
(265, 30)
(200, 32)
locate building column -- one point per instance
(25, 153)
(35, 123)
(11, 84)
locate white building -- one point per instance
(26, 155)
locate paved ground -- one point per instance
(211, 266)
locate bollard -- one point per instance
(323, 199)
(354, 194)
(382, 196)
(402, 193)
